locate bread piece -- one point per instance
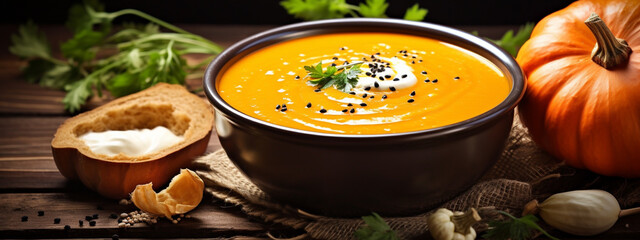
(168, 105)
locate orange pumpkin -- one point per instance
(586, 110)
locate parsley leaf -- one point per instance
(30, 43)
(373, 8)
(375, 229)
(512, 43)
(317, 9)
(515, 229)
(415, 13)
(344, 77)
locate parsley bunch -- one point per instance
(129, 60)
(324, 9)
(375, 229)
(514, 229)
(344, 77)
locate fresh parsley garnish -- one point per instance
(515, 228)
(344, 77)
(326, 9)
(96, 58)
(375, 228)
(511, 43)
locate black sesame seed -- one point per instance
(375, 84)
(80, 223)
(364, 95)
(119, 220)
(352, 110)
(284, 109)
(333, 65)
(367, 88)
(424, 72)
(371, 65)
(420, 60)
(405, 55)
(345, 110)
(364, 59)
(349, 105)
(40, 213)
(456, 78)
(342, 48)
(414, 56)
(435, 80)
(396, 79)
(373, 56)
(387, 76)
(88, 218)
(284, 105)
(56, 220)
(392, 88)
(67, 227)
(413, 93)
(317, 90)
(345, 63)
(377, 53)
(113, 216)
(308, 105)
(323, 110)
(363, 104)
(373, 75)
(384, 96)
(115, 237)
(352, 93)
(413, 62)
(381, 78)
(410, 100)
(335, 58)
(297, 77)
(427, 80)
(404, 75)
(277, 107)
(368, 73)
(372, 97)
(25, 218)
(92, 223)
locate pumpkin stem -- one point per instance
(462, 223)
(609, 50)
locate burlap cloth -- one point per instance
(523, 173)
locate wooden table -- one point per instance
(30, 181)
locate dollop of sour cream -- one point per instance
(132, 143)
(398, 69)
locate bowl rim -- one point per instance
(511, 68)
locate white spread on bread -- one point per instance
(132, 143)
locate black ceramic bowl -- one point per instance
(354, 175)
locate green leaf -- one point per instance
(79, 18)
(415, 13)
(77, 95)
(512, 43)
(30, 43)
(60, 76)
(374, 8)
(123, 84)
(316, 9)
(375, 228)
(514, 229)
(36, 68)
(343, 77)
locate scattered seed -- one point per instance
(384, 96)
(349, 104)
(345, 110)
(387, 76)
(367, 88)
(352, 110)
(427, 80)
(67, 227)
(40, 213)
(375, 84)
(410, 100)
(364, 95)
(396, 79)
(317, 90)
(56, 220)
(393, 89)
(372, 97)
(368, 73)
(25, 218)
(323, 110)
(297, 77)
(80, 223)
(434, 81)
(424, 72)
(115, 237)
(308, 105)
(413, 93)
(404, 75)
(123, 215)
(284, 109)
(333, 65)
(381, 78)
(335, 58)
(456, 78)
(352, 93)
(277, 107)
(363, 104)
(92, 223)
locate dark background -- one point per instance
(448, 12)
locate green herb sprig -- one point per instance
(344, 77)
(375, 228)
(512, 43)
(132, 59)
(326, 9)
(515, 228)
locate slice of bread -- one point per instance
(168, 105)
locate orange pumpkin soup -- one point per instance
(406, 83)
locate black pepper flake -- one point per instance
(364, 95)
(404, 75)
(387, 76)
(381, 78)
(396, 79)
(456, 78)
(352, 110)
(80, 223)
(384, 96)
(323, 110)
(345, 110)
(40, 213)
(435, 80)
(349, 105)
(113, 216)
(115, 237)
(352, 93)
(56, 220)
(375, 84)
(297, 77)
(410, 100)
(92, 223)
(363, 104)
(317, 90)
(392, 89)
(277, 107)
(367, 88)
(413, 93)
(308, 105)
(25, 218)
(67, 227)
(424, 72)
